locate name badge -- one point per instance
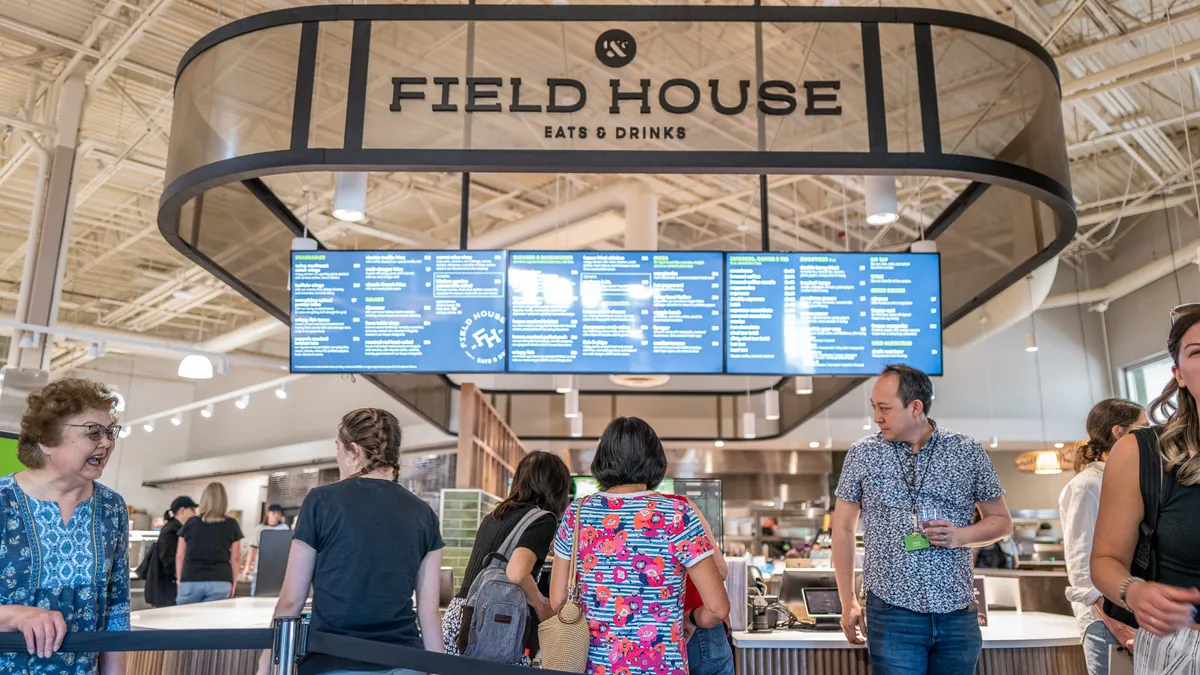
(915, 542)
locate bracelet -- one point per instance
(692, 617)
(1125, 589)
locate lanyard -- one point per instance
(915, 496)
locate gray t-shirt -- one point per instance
(952, 472)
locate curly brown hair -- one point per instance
(377, 432)
(47, 410)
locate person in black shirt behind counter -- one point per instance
(542, 481)
(363, 567)
(210, 547)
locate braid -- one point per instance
(377, 432)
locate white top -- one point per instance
(1005, 630)
(1079, 504)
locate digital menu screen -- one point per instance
(383, 311)
(615, 312)
(832, 313)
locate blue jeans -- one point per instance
(903, 642)
(709, 652)
(192, 592)
(1096, 640)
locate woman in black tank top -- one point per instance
(1165, 603)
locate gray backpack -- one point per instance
(498, 614)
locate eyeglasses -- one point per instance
(1184, 309)
(96, 431)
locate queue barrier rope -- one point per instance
(311, 641)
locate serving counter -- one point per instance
(1014, 643)
(227, 614)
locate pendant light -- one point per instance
(350, 196)
(195, 367)
(564, 383)
(571, 403)
(804, 385)
(577, 425)
(882, 205)
(771, 404)
(748, 424)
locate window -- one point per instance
(1143, 383)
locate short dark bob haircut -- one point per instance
(543, 480)
(629, 453)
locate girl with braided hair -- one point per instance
(365, 544)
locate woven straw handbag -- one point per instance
(565, 637)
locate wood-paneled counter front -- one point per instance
(1014, 643)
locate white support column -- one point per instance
(49, 257)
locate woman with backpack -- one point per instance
(527, 521)
(1165, 462)
(1108, 422)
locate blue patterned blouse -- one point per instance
(80, 569)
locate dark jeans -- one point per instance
(903, 642)
(709, 652)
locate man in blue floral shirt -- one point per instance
(917, 487)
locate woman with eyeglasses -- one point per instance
(64, 565)
(1164, 597)
(1108, 422)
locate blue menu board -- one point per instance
(383, 311)
(615, 312)
(832, 313)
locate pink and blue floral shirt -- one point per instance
(634, 550)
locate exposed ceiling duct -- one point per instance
(1013, 304)
(1139, 278)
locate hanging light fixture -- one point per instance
(1031, 344)
(564, 383)
(577, 425)
(571, 403)
(1041, 462)
(771, 404)
(195, 367)
(242, 402)
(829, 443)
(995, 442)
(882, 205)
(177, 419)
(804, 385)
(207, 412)
(748, 424)
(281, 392)
(867, 423)
(350, 196)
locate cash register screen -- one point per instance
(822, 602)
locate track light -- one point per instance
(223, 367)
(281, 392)
(207, 412)
(771, 404)
(125, 431)
(195, 367)
(148, 427)
(577, 425)
(97, 350)
(804, 385)
(350, 196)
(748, 424)
(242, 402)
(31, 340)
(1031, 344)
(571, 403)
(177, 419)
(882, 205)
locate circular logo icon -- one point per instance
(616, 48)
(482, 337)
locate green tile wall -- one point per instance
(462, 511)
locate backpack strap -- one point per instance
(514, 536)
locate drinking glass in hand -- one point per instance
(927, 514)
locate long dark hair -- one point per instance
(1109, 413)
(1181, 432)
(543, 480)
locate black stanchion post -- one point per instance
(284, 646)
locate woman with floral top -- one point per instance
(64, 561)
(635, 546)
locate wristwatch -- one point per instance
(1125, 589)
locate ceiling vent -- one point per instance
(640, 381)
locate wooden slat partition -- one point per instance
(488, 450)
(206, 662)
(1035, 661)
